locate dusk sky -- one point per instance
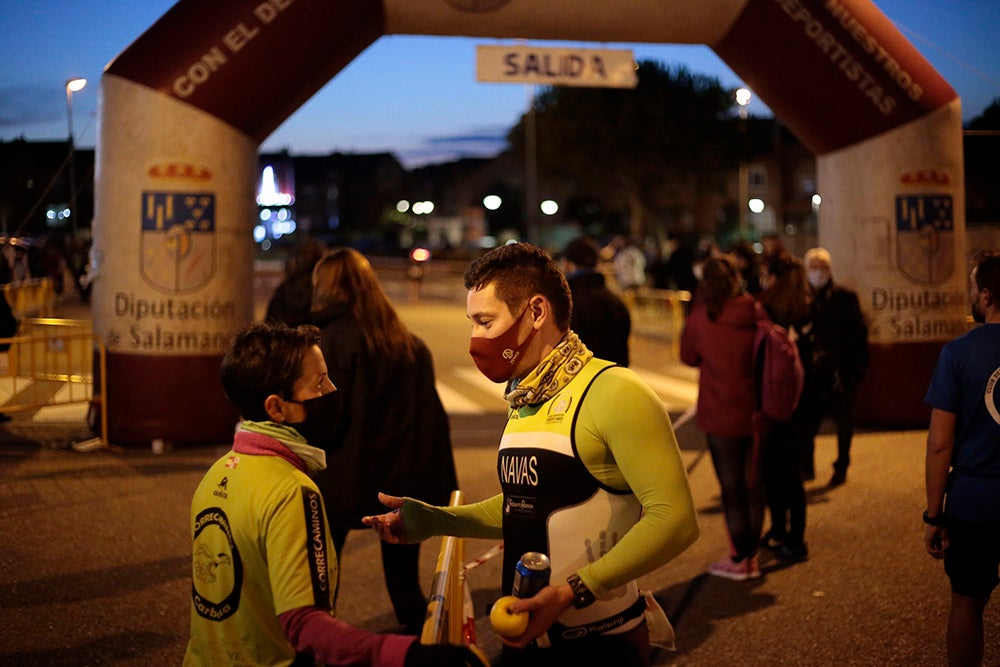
(417, 96)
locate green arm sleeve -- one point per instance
(625, 439)
(482, 519)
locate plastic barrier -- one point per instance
(450, 616)
(51, 363)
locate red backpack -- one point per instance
(779, 375)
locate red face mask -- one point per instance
(496, 357)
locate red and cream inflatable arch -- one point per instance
(184, 108)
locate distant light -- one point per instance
(549, 207)
(420, 254)
(282, 214)
(266, 244)
(265, 214)
(758, 247)
(423, 207)
(259, 233)
(488, 242)
(50, 214)
(756, 205)
(492, 202)
(75, 85)
(65, 213)
(789, 229)
(816, 201)
(402, 206)
(269, 195)
(279, 229)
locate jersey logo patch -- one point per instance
(991, 397)
(319, 570)
(217, 569)
(519, 505)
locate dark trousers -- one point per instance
(837, 403)
(842, 410)
(737, 468)
(401, 566)
(781, 468)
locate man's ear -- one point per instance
(275, 408)
(540, 308)
(988, 297)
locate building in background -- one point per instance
(371, 202)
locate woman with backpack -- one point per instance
(718, 338)
(787, 300)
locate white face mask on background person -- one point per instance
(698, 271)
(818, 278)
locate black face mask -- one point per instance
(322, 420)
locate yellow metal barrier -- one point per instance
(658, 312)
(51, 362)
(31, 298)
(450, 618)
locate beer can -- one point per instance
(531, 574)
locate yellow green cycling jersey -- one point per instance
(594, 478)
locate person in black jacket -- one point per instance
(599, 316)
(394, 435)
(841, 341)
(292, 299)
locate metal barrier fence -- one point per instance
(50, 363)
(658, 313)
(31, 298)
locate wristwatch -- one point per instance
(582, 596)
(933, 520)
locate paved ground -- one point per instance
(95, 562)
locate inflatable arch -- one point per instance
(185, 107)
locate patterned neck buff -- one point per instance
(549, 377)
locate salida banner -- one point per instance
(592, 68)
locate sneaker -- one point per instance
(794, 553)
(727, 569)
(753, 568)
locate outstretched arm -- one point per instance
(390, 526)
(412, 520)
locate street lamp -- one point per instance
(72, 86)
(743, 96)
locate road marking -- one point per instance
(667, 387)
(7, 386)
(456, 403)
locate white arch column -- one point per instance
(174, 210)
(893, 218)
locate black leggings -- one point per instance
(401, 566)
(786, 495)
(742, 499)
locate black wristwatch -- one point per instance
(934, 520)
(582, 596)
